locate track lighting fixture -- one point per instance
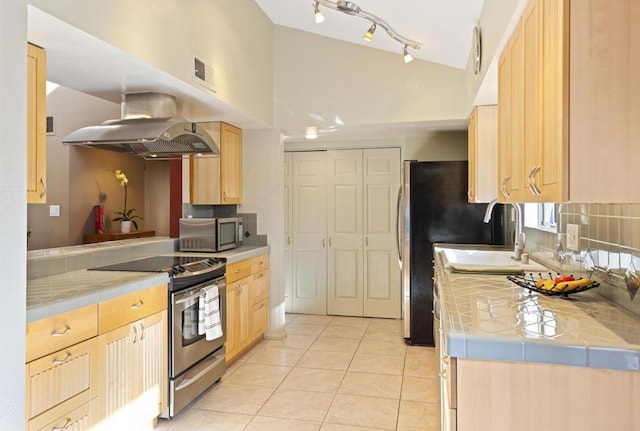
(407, 57)
(350, 8)
(369, 34)
(319, 16)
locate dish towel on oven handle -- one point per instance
(209, 322)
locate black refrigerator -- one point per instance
(433, 208)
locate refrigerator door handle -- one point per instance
(398, 247)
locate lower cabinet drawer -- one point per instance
(238, 270)
(125, 309)
(259, 263)
(57, 332)
(259, 289)
(59, 377)
(78, 419)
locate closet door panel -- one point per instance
(381, 273)
(309, 231)
(345, 228)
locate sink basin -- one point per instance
(485, 261)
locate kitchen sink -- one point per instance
(485, 261)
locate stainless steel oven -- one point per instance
(195, 363)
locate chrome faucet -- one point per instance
(518, 246)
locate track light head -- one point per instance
(368, 36)
(319, 16)
(407, 57)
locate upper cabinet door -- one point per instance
(36, 125)
(483, 153)
(218, 180)
(579, 113)
(230, 164)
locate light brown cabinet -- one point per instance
(483, 153)
(511, 120)
(61, 372)
(218, 180)
(133, 373)
(36, 125)
(527, 396)
(247, 304)
(238, 318)
(100, 367)
(568, 103)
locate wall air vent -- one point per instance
(51, 125)
(203, 73)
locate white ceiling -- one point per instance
(85, 63)
(443, 27)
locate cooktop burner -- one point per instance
(183, 270)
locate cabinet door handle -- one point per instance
(329, 241)
(288, 240)
(63, 360)
(66, 329)
(138, 305)
(239, 290)
(236, 271)
(470, 194)
(135, 335)
(366, 241)
(63, 427)
(142, 329)
(503, 186)
(323, 243)
(532, 182)
(44, 188)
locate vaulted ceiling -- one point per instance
(443, 27)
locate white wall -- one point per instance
(322, 81)
(263, 193)
(497, 21)
(431, 146)
(13, 217)
(232, 36)
(437, 146)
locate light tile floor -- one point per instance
(329, 374)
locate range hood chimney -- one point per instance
(149, 128)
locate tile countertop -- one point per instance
(489, 317)
(56, 294)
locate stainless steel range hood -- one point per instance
(148, 128)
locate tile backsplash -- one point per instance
(609, 243)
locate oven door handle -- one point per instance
(199, 292)
(191, 380)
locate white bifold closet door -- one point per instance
(309, 233)
(345, 280)
(288, 233)
(363, 278)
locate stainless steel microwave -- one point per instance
(210, 234)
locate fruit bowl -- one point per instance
(551, 288)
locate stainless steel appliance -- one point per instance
(149, 128)
(210, 234)
(433, 208)
(195, 363)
